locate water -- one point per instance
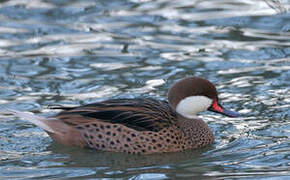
(76, 52)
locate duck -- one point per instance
(140, 125)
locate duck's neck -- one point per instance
(196, 131)
(185, 122)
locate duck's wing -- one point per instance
(139, 114)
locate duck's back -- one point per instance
(140, 114)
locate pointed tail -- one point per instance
(37, 120)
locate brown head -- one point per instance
(193, 94)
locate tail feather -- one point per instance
(55, 128)
(37, 120)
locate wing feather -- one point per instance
(139, 114)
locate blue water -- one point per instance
(77, 52)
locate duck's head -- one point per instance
(192, 95)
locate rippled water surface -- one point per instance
(72, 52)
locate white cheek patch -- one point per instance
(190, 106)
